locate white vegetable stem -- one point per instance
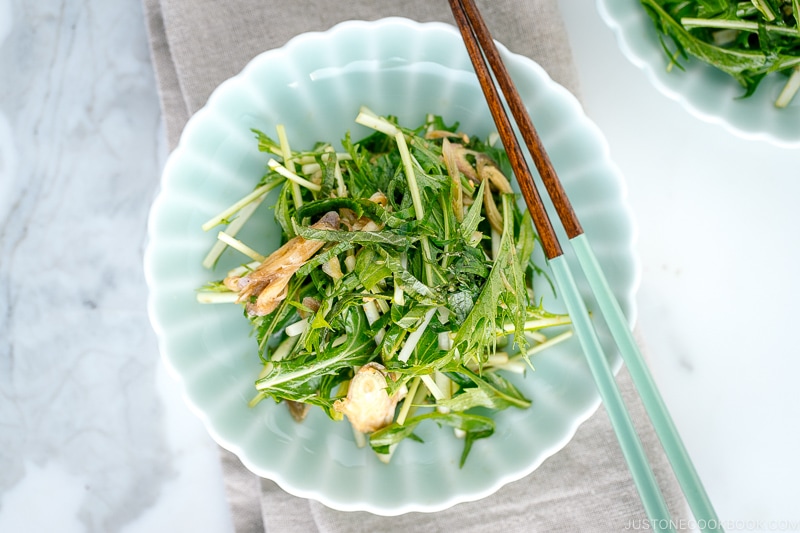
(762, 6)
(286, 152)
(233, 209)
(411, 175)
(209, 297)
(536, 324)
(289, 175)
(517, 367)
(445, 342)
(371, 120)
(309, 164)
(371, 311)
(445, 386)
(416, 200)
(796, 12)
(549, 342)
(496, 238)
(240, 246)
(535, 336)
(293, 330)
(434, 389)
(280, 352)
(408, 402)
(243, 269)
(690, 22)
(283, 349)
(386, 458)
(415, 336)
(399, 297)
(368, 118)
(233, 228)
(341, 189)
(790, 89)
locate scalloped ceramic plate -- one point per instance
(314, 86)
(704, 91)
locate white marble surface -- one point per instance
(93, 436)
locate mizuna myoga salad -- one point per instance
(402, 293)
(745, 39)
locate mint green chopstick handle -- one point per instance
(676, 453)
(652, 499)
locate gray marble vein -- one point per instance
(78, 358)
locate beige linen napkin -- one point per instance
(196, 44)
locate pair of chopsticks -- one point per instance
(479, 43)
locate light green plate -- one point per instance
(702, 90)
(314, 86)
